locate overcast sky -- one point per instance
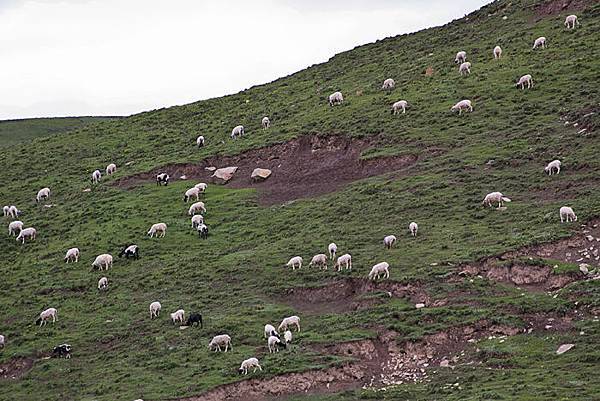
(119, 57)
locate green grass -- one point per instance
(235, 277)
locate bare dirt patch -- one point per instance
(304, 167)
(15, 368)
(557, 7)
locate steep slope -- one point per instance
(237, 278)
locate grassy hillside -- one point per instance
(237, 278)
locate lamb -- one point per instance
(249, 363)
(103, 284)
(2, 341)
(237, 132)
(287, 336)
(332, 248)
(270, 331)
(46, 315)
(497, 52)
(72, 255)
(319, 260)
(162, 179)
(200, 141)
(525, 79)
(461, 57)
(539, 42)
(571, 21)
(5, 209)
(413, 228)
(132, 251)
(197, 219)
(345, 260)
(14, 212)
(111, 168)
(156, 229)
(198, 206)
(465, 68)
(202, 231)
(378, 270)
(336, 98)
(96, 175)
(218, 341)
(494, 197)
(389, 241)
(194, 318)
(552, 166)
(178, 316)
(567, 214)
(399, 105)
(388, 84)
(462, 105)
(266, 123)
(274, 343)
(43, 194)
(155, 308)
(190, 193)
(295, 261)
(289, 321)
(27, 233)
(62, 350)
(201, 186)
(103, 261)
(15, 227)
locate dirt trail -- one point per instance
(15, 368)
(557, 7)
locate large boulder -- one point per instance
(223, 175)
(260, 174)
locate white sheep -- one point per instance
(156, 229)
(237, 132)
(497, 52)
(567, 214)
(218, 341)
(192, 192)
(495, 197)
(540, 42)
(27, 233)
(103, 283)
(96, 175)
(14, 212)
(465, 68)
(378, 270)
(399, 105)
(287, 336)
(111, 168)
(295, 261)
(462, 105)
(249, 363)
(525, 79)
(554, 165)
(43, 194)
(155, 308)
(103, 261)
(178, 316)
(345, 260)
(388, 84)
(196, 207)
(202, 186)
(266, 123)
(72, 255)
(290, 321)
(336, 98)
(46, 315)
(200, 141)
(2, 341)
(15, 227)
(461, 57)
(270, 331)
(389, 241)
(5, 209)
(571, 21)
(197, 219)
(273, 344)
(413, 228)
(332, 248)
(319, 260)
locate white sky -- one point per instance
(118, 57)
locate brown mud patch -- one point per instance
(301, 168)
(557, 7)
(15, 368)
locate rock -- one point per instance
(183, 177)
(211, 168)
(445, 363)
(584, 268)
(419, 306)
(129, 163)
(49, 205)
(224, 174)
(87, 190)
(504, 18)
(564, 348)
(589, 238)
(260, 174)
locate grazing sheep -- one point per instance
(202, 186)
(132, 251)
(15, 227)
(274, 343)
(103, 261)
(462, 105)
(525, 79)
(156, 229)
(332, 248)
(270, 331)
(162, 179)
(345, 260)
(461, 57)
(413, 228)
(96, 175)
(399, 105)
(319, 260)
(43, 194)
(200, 141)
(194, 318)
(389, 241)
(497, 52)
(237, 132)
(378, 270)
(539, 42)
(202, 231)
(46, 315)
(336, 98)
(571, 21)
(567, 214)
(2, 341)
(249, 363)
(5, 209)
(266, 123)
(190, 193)
(295, 261)
(198, 206)
(465, 68)
(289, 321)
(111, 168)
(494, 197)
(27, 233)
(155, 308)
(287, 336)
(72, 255)
(388, 84)
(103, 284)
(197, 219)
(222, 340)
(178, 316)
(62, 350)
(552, 166)
(14, 212)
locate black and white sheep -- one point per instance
(162, 179)
(62, 350)
(131, 251)
(202, 231)
(103, 284)
(96, 175)
(274, 343)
